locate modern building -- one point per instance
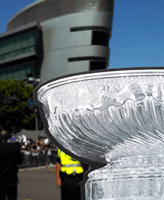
(21, 52)
(52, 38)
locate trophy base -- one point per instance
(129, 178)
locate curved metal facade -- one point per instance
(76, 34)
(49, 9)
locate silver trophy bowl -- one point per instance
(113, 117)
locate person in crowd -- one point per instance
(13, 138)
(24, 138)
(25, 154)
(20, 138)
(35, 156)
(49, 154)
(44, 155)
(69, 174)
(38, 146)
(11, 157)
(23, 145)
(28, 147)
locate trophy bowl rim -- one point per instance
(120, 72)
(98, 74)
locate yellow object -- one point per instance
(69, 165)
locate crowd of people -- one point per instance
(44, 144)
(38, 147)
(69, 171)
(43, 152)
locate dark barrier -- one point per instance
(26, 159)
(31, 159)
(34, 159)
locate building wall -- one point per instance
(21, 52)
(60, 44)
(42, 10)
(67, 50)
(71, 31)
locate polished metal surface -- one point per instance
(54, 8)
(107, 115)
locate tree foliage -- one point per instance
(16, 115)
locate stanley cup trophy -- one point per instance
(112, 117)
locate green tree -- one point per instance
(16, 115)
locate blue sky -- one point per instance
(137, 33)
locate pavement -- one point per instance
(49, 167)
(38, 183)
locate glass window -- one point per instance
(24, 44)
(22, 73)
(85, 28)
(19, 43)
(83, 58)
(19, 72)
(100, 38)
(96, 65)
(5, 49)
(16, 73)
(10, 74)
(31, 41)
(3, 73)
(11, 45)
(2, 57)
(5, 56)
(12, 54)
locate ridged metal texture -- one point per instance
(106, 115)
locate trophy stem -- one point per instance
(128, 178)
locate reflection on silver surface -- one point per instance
(113, 117)
(107, 114)
(130, 178)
